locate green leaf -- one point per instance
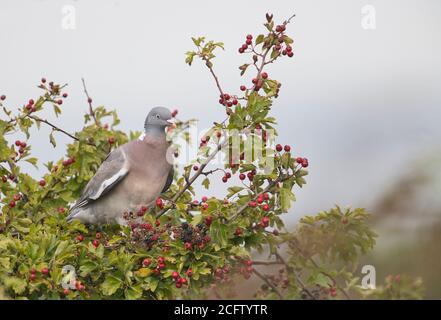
(110, 285)
(206, 183)
(286, 197)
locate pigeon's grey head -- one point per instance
(158, 118)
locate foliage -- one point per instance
(183, 247)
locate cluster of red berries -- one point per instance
(16, 197)
(33, 273)
(302, 161)
(96, 241)
(179, 281)
(68, 161)
(147, 234)
(247, 269)
(261, 200)
(11, 177)
(157, 266)
(248, 42)
(227, 175)
(174, 113)
(221, 274)
(250, 175)
(227, 100)
(286, 148)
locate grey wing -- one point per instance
(114, 168)
(169, 180)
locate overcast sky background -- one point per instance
(360, 104)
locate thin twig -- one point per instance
(298, 279)
(54, 127)
(257, 273)
(318, 267)
(89, 101)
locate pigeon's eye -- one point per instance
(158, 116)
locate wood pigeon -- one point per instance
(131, 176)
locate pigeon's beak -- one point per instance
(169, 123)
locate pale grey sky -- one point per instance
(360, 104)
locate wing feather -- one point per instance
(114, 168)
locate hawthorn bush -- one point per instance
(186, 246)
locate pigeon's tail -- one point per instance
(77, 213)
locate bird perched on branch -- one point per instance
(132, 175)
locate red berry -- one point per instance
(183, 280)
(265, 196)
(66, 291)
(243, 88)
(2, 97)
(259, 199)
(42, 183)
(23, 144)
(12, 204)
(161, 260)
(98, 235)
(305, 163)
(238, 231)
(175, 274)
(45, 271)
(204, 199)
(161, 265)
(157, 223)
(178, 284)
(244, 46)
(254, 81)
(249, 42)
(159, 202)
(18, 143)
(32, 276)
(287, 148)
(241, 50)
(265, 220)
(252, 204)
(208, 220)
(299, 160)
(111, 140)
(204, 206)
(80, 238)
(290, 54)
(4, 179)
(65, 95)
(279, 147)
(265, 207)
(146, 262)
(249, 263)
(189, 272)
(61, 210)
(59, 101)
(89, 100)
(195, 168)
(95, 243)
(234, 102)
(264, 75)
(174, 113)
(242, 176)
(249, 37)
(224, 179)
(31, 102)
(33, 271)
